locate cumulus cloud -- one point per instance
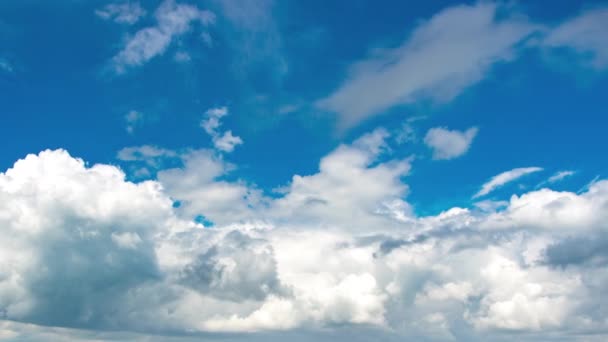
(172, 21)
(449, 144)
(350, 187)
(123, 13)
(504, 178)
(85, 248)
(443, 56)
(586, 34)
(223, 141)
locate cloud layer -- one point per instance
(84, 248)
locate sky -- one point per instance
(262, 170)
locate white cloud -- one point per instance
(350, 187)
(172, 20)
(226, 142)
(196, 184)
(587, 34)
(223, 141)
(558, 176)
(504, 178)
(330, 254)
(449, 144)
(123, 13)
(212, 119)
(443, 56)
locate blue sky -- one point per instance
(293, 55)
(372, 121)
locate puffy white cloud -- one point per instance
(520, 299)
(223, 141)
(451, 51)
(349, 188)
(504, 178)
(197, 185)
(123, 13)
(172, 20)
(76, 239)
(82, 247)
(449, 144)
(586, 34)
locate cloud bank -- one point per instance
(84, 248)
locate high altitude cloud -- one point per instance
(133, 118)
(255, 37)
(587, 34)
(560, 175)
(123, 13)
(143, 266)
(225, 141)
(504, 178)
(449, 144)
(451, 51)
(172, 20)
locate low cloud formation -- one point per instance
(84, 248)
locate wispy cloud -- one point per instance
(123, 13)
(504, 178)
(255, 37)
(443, 56)
(172, 20)
(6, 66)
(133, 119)
(586, 34)
(556, 177)
(560, 175)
